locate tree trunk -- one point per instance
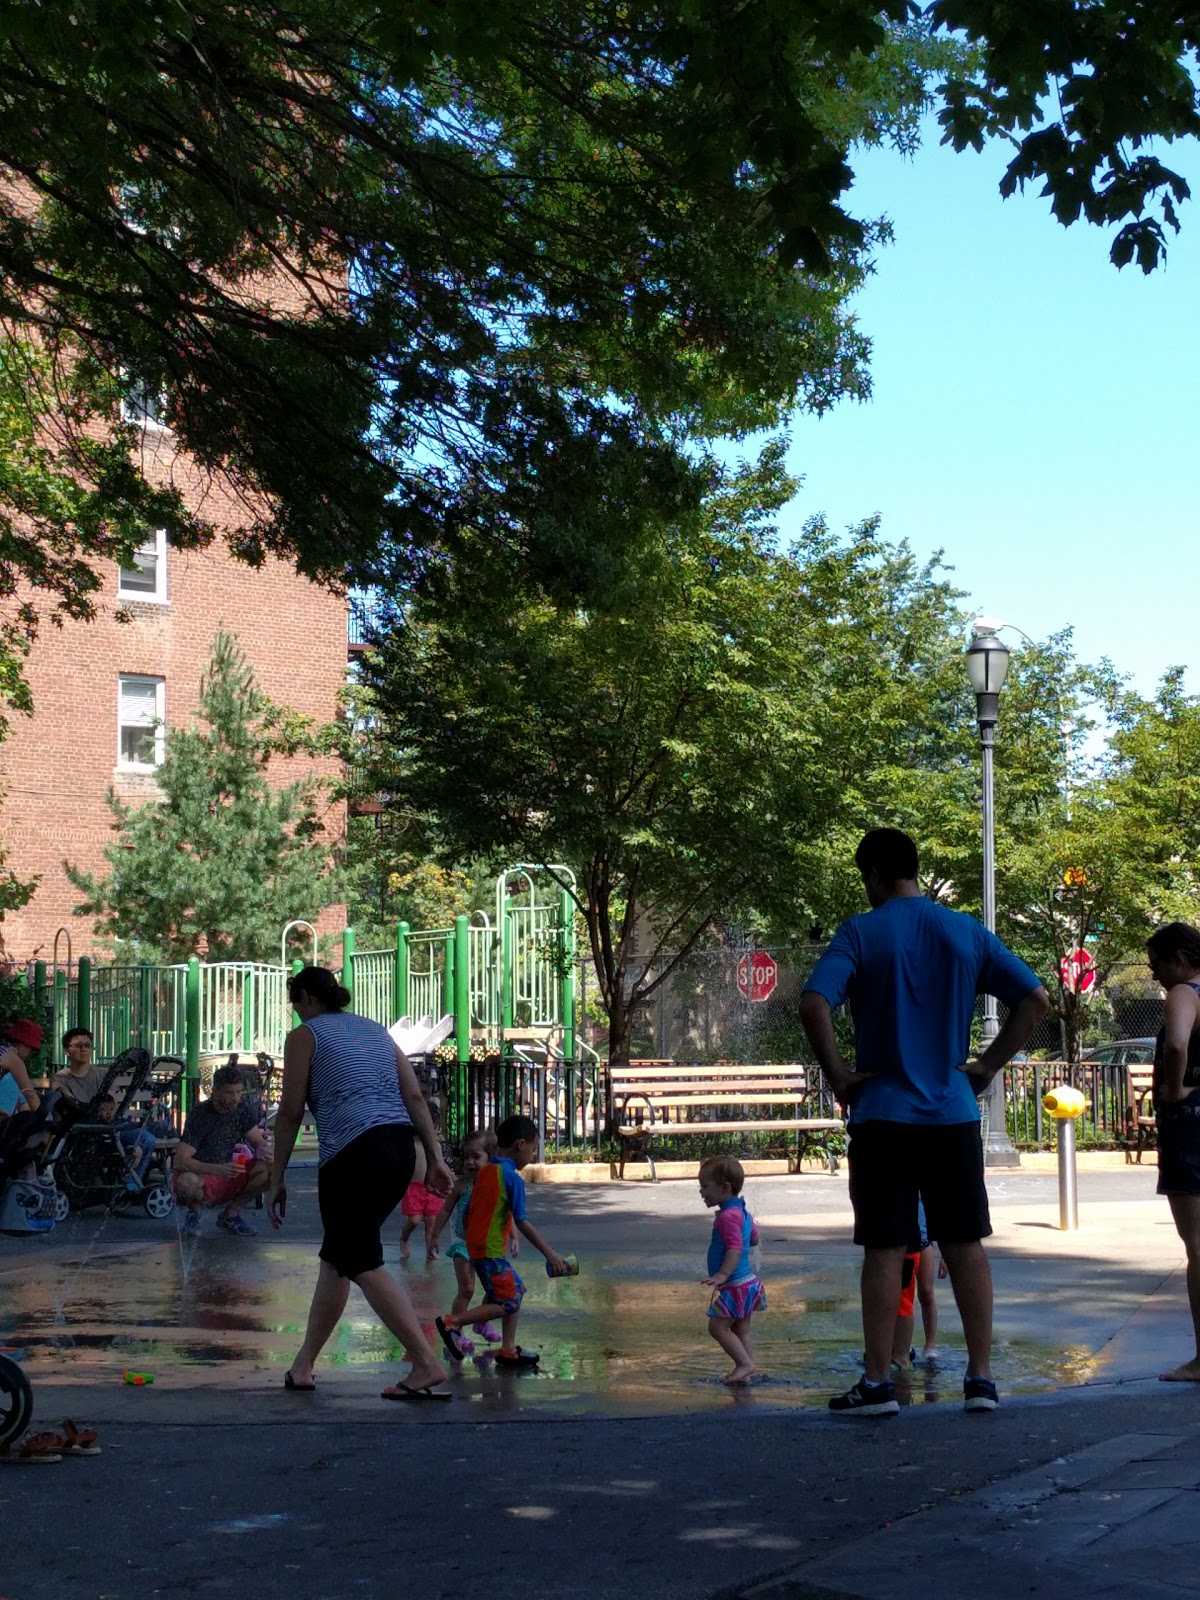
(620, 1025)
(1072, 1015)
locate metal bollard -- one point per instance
(1065, 1104)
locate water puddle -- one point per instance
(630, 1332)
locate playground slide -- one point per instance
(418, 1038)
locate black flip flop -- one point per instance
(297, 1388)
(449, 1338)
(414, 1396)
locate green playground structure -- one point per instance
(506, 979)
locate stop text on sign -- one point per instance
(757, 975)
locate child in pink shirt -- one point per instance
(737, 1289)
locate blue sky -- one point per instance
(1034, 411)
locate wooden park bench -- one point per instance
(1141, 1129)
(655, 1100)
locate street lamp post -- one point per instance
(987, 666)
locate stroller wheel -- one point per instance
(158, 1200)
(16, 1401)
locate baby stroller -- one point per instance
(27, 1204)
(16, 1401)
(89, 1164)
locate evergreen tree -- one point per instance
(225, 859)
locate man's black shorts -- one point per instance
(1178, 1147)
(892, 1164)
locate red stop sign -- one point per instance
(1078, 972)
(757, 975)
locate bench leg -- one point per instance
(650, 1159)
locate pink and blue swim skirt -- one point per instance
(738, 1300)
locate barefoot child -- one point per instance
(421, 1205)
(916, 1283)
(477, 1149)
(498, 1201)
(738, 1291)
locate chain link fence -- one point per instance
(701, 1015)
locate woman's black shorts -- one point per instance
(894, 1163)
(1178, 1147)
(357, 1191)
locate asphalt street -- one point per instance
(624, 1467)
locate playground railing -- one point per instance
(430, 976)
(1103, 1086)
(129, 1005)
(243, 1006)
(373, 979)
(565, 1098)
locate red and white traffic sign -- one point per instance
(757, 975)
(1078, 972)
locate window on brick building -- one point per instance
(142, 402)
(146, 579)
(141, 715)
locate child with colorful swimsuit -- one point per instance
(498, 1203)
(477, 1149)
(737, 1289)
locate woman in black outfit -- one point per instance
(1174, 953)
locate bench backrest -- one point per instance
(653, 1084)
(1139, 1084)
(644, 1071)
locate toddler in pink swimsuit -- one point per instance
(737, 1289)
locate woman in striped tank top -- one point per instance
(370, 1113)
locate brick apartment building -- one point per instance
(106, 691)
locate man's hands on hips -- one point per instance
(846, 1082)
(979, 1076)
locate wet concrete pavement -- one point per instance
(636, 1470)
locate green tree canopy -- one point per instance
(401, 273)
(708, 748)
(224, 859)
(690, 747)
(1088, 94)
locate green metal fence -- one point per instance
(243, 1007)
(496, 976)
(373, 984)
(430, 974)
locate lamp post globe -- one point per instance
(987, 659)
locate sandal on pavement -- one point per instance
(34, 1450)
(449, 1337)
(79, 1441)
(411, 1396)
(517, 1358)
(297, 1388)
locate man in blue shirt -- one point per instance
(910, 971)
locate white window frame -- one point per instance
(157, 596)
(160, 719)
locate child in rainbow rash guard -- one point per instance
(737, 1289)
(498, 1203)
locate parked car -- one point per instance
(1122, 1053)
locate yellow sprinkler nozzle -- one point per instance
(1064, 1102)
